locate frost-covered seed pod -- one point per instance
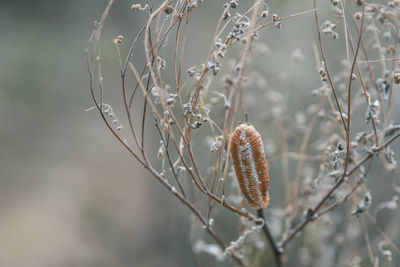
(250, 165)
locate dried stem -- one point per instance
(277, 250)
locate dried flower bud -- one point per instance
(161, 151)
(192, 5)
(226, 14)
(384, 87)
(264, 14)
(391, 49)
(139, 7)
(170, 101)
(196, 125)
(191, 71)
(359, 2)
(118, 40)
(234, 4)
(396, 78)
(335, 2)
(135, 6)
(339, 154)
(250, 165)
(169, 10)
(363, 205)
(358, 15)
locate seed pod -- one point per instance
(250, 165)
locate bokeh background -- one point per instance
(70, 195)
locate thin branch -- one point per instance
(380, 60)
(349, 93)
(326, 66)
(173, 170)
(277, 250)
(311, 214)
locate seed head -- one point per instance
(169, 10)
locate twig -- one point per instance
(349, 93)
(326, 66)
(169, 159)
(277, 250)
(311, 214)
(380, 60)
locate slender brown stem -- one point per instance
(276, 249)
(174, 172)
(349, 94)
(326, 66)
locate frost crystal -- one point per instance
(212, 249)
(364, 205)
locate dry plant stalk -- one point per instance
(179, 104)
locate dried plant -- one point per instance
(350, 125)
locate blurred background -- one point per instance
(70, 195)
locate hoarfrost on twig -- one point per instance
(201, 247)
(364, 205)
(242, 238)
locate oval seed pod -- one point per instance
(250, 165)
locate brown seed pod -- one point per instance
(250, 165)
